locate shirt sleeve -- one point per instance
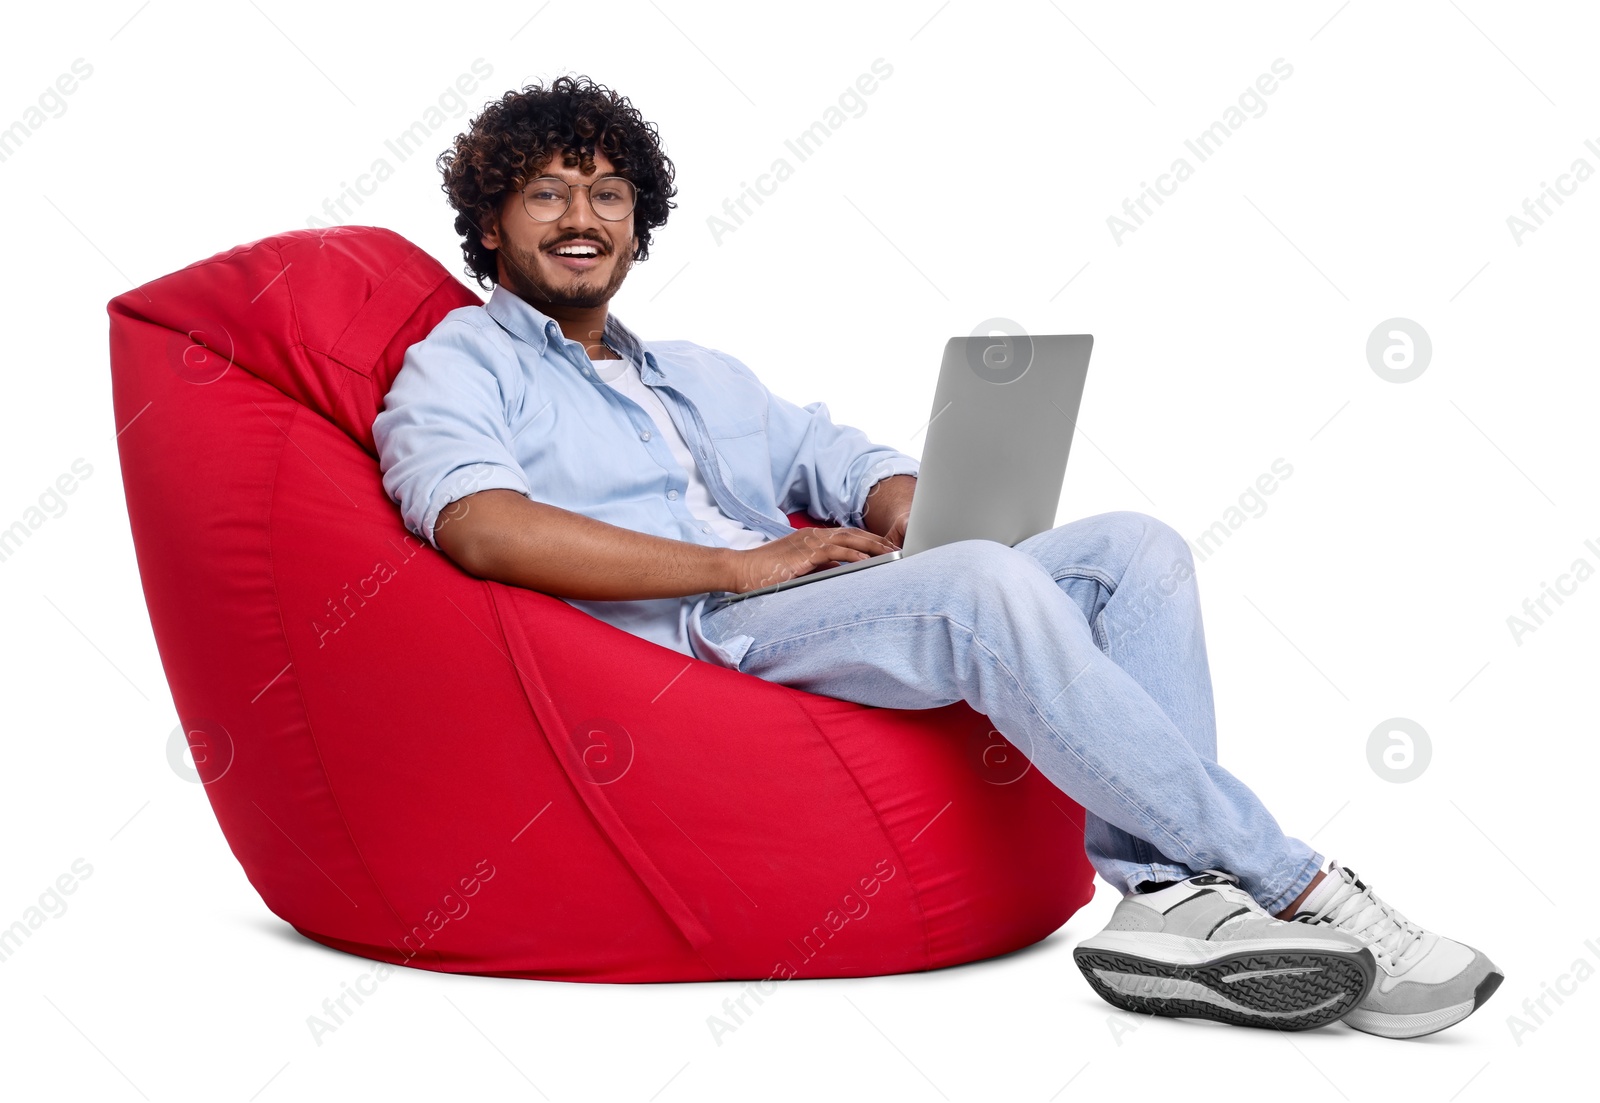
(444, 432)
(820, 467)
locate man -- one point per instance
(537, 441)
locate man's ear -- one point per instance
(489, 233)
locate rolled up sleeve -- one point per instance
(824, 468)
(443, 432)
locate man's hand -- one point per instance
(889, 507)
(801, 552)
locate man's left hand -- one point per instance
(889, 507)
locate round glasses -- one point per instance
(548, 197)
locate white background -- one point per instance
(1231, 330)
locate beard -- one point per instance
(523, 277)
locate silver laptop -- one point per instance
(995, 455)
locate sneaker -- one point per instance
(1203, 948)
(1425, 982)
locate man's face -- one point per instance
(528, 262)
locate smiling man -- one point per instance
(538, 441)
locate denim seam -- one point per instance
(1107, 782)
(1296, 887)
(1154, 871)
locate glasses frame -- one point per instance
(571, 189)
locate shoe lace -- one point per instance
(1357, 909)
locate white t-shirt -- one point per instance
(624, 376)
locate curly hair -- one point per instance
(516, 136)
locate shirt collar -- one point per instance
(537, 329)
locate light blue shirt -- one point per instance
(495, 397)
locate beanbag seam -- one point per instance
(392, 303)
(338, 398)
(293, 675)
(916, 892)
(609, 821)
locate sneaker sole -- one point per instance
(1284, 990)
(1423, 1022)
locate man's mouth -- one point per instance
(577, 255)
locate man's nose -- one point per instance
(580, 212)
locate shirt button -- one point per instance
(705, 528)
(672, 495)
(645, 435)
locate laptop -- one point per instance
(995, 455)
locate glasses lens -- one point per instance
(612, 197)
(546, 198)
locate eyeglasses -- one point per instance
(548, 197)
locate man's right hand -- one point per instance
(801, 552)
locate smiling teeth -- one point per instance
(578, 251)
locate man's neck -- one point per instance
(585, 325)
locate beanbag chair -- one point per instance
(430, 769)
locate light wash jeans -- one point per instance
(1083, 645)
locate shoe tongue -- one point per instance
(1208, 879)
(1398, 934)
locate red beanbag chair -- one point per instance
(422, 767)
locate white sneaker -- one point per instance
(1203, 948)
(1425, 982)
